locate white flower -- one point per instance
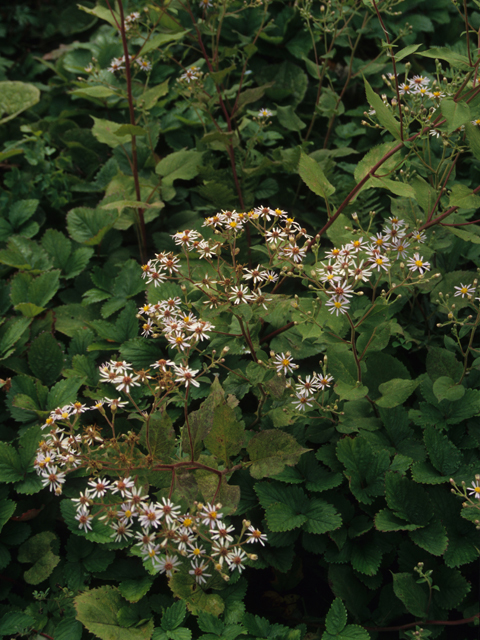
(84, 520)
(125, 382)
(144, 65)
(199, 571)
(122, 485)
(417, 262)
(236, 558)
(115, 403)
(302, 401)
(117, 64)
(121, 531)
(240, 294)
(99, 487)
(474, 490)
(264, 113)
(204, 4)
(476, 123)
(150, 517)
(419, 236)
(191, 74)
(284, 363)
(324, 381)
(275, 235)
(210, 515)
(186, 375)
(52, 478)
(168, 565)
(222, 532)
(170, 511)
(464, 290)
(256, 536)
(381, 262)
(195, 551)
(337, 306)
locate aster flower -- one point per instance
(169, 510)
(52, 478)
(474, 490)
(184, 374)
(284, 363)
(264, 113)
(236, 558)
(168, 565)
(337, 306)
(256, 536)
(324, 381)
(210, 515)
(121, 531)
(84, 519)
(302, 401)
(126, 382)
(199, 571)
(99, 487)
(464, 290)
(418, 263)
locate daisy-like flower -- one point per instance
(337, 306)
(256, 536)
(418, 263)
(150, 516)
(115, 403)
(400, 246)
(52, 478)
(99, 487)
(380, 262)
(294, 252)
(195, 551)
(121, 531)
(378, 240)
(264, 113)
(210, 515)
(222, 532)
(117, 64)
(302, 401)
(147, 328)
(122, 485)
(144, 65)
(476, 123)
(220, 549)
(324, 381)
(240, 294)
(157, 277)
(127, 512)
(191, 74)
(126, 382)
(256, 275)
(284, 363)
(436, 95)
(184, 374)
(307, 386)
(464, 290)
(169, 510)
(179, 340)
(418, 236)
(271, 277)
(199, 571)
(83, 501)
(474, 490)
(200, 330)
(168, 565)
(185, 538)
(84, 519)
(405, 88)
(435, 133)
(236, 558)
(204, 4)
(340, 290)
(145, 539)
(275, 235)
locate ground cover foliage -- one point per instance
(239, 299)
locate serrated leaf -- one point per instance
(77, 262)
(382, 112)
(456, 113)
(38, 291)
(271, 450)
(336, 619)
(158, 436)
(11, 468)
(414, 596)
(25, 254)
(395, 392)
(58, 247)
(445, 388)
(453, 587)
(313, 176)
(10, 333)
(386, 520)
(225, 438)
(37, 550)
(282, 517)
(174, 616)
(364, 468)
(158, 40)
(15, 622)
(407, 500)
(151, 96)
(88, 226)
(64, 392)
(322, 517)
(432, 538)
(45, 358)
(16, 97)
(210, 624)
(68, 629)
(7, 508)
(444, 455)
(97, 610)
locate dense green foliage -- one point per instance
(152, 154)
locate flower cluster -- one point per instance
(362, 259)
(191, 74)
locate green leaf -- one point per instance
(408, 501)
(313, 176)
(45, 358)
(382, 112)
(133, 590)
(210, 624)
(97, 91)
(366, 554)
(463, 197)
(88, 226)
(25, 254)
(180, 165)
(441, 362)
(425, 194)
(21, 211)
(105, 132)
(11, 468)
(444, 455)
(149, 98)
(456, 113)
(15, 622)
(432, 538)
(37, 550)
(364, 468)
(322, 517)
(374, 156)
(336, 619)
(282, 517)
(157, 41)
(64, 392)
(395, 392)
(457, 60)
(445, 388)
(413, 595)
(112, 17)
(406, 51)
(201, 421)
(227, 434)
(10, 333)
(271, 450)
(68, 629)
(386, 520)
(16, 97)
(174, 616)
(289, 119)
(97, 610)
(38, 291)
(453, 587)
(473, 138)
(184, 586)
(7, 509)
(161, 438)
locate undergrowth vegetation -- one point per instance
(239, 254)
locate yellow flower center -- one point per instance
(418, 263)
